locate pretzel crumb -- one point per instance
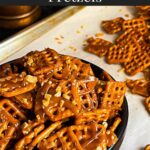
(99, 34)
(121, 70)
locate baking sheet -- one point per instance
(67, 38)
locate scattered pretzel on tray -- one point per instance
(57, 104)
(131, 49)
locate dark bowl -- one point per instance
(120, 131)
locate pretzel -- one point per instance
(98, 116)
(147, 103)
(111, 138)
(10, 112)
(38, 110)
(137, 23)
(140, 86)
(6, 134)
(147, 147)
(115, 124)
(113, 95)
(119, 54)
(97, 46)
(138, 62)
(143, 12)
(143, 7)
(57, 103)
(76, 137)
(45, 133)
(25, 100)
(26, 140)
(146, 47)
(70, 67)
(113, 26)
(128, 35)
(28, 126)
(67, 97)
(17, 84)
(40, 62)
(5, 70)
(35, 133)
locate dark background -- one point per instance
(46, 11)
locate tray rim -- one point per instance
(18, 41)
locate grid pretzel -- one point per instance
(139, 86)
(119, 54)
(17, 84)
(69, 67)
(113, 95)
(95, 116)
(25, 100)
(63, 99)
(73, 137)
(97, 46)
(6, 134)
(27, 139)
(128, 35)
(113, 26)
(137, 23)
(41, 62)
(138, 62)
(10, 112)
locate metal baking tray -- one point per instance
(66, 32)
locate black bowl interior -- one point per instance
(120, 131)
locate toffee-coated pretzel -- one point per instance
(111, 138)
(139, 86)
(39, 62)
(10, 112)
(138, 62)
(6, 134)
(98, 116)
(119, 54)
(70, 67)
(113, 95)
(97, 46)
(137, 23)
(146, 47)
(76, 137)
(16, 84)
(27, 139)
(129, 34)
(66, 98)
(113, 26)
(110, 133)
(28, 126)
(25, 100)
(5, 70)
(45, 133)
(115, 124)
(143, 12)
(63, 99)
